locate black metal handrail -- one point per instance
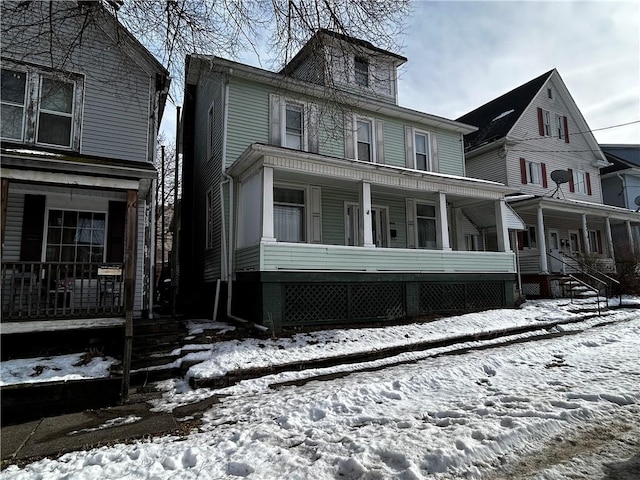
(588, 287)
(589, 267)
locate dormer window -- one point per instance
(361, 67)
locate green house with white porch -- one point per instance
(310, 196)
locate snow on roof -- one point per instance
(503, 114)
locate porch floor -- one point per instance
(9, 328)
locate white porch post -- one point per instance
(502, 230)
(267, 205)
(607, 232)
(442, 223)
(542, 243)
(585, 234)
(630, 236)
(365, 208)
(459, 216)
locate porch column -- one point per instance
(365, 207)
(502, 230)
(267, 205)
(131, 240)
(442, 223)
(542, 243)
(459, 216)
(585, 234)
(5, 197)
(607, 232)
(630, 236)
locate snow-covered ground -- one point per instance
(557, 408)
(58, 368)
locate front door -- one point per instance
(379, 226)
(554, 252)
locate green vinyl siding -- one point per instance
(333, 200)
(394, 149)
(331, 131)
(450, 153)
(248, 120)
(340, 258)
(397, 219)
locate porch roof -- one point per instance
(530, 202)
(258, 155)
(72, 169)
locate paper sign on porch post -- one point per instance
(114, 270)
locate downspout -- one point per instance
(229, 246)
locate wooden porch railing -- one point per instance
(51, 290)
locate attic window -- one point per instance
(361, 66)
(550, 93)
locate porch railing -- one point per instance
(50, 290)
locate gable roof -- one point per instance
(496, 118)
(622, 157)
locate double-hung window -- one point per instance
(75, 236)
(289, 214)
(14, 86)
(361, 69)
(41, 107)
(528, 238)
(580, 181)
(534, 173)
(294, 126)
(426, 223)
(364, 140)
(560, 127)
(421, 142)
(546, 122)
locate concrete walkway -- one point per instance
(54, 436)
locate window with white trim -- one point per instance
(75, 236)
(294, 126)
(534, 172)
(364, 140)
(560, 126)
(41, 107)
(361, 71)
(421, 146)
(289, 223)
(546, 122)
(209, 218)
(426, 225)
(580, 181)
(594, 241)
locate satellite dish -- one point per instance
(637, 200)
(560, 176)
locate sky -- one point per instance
(493, 408)
(462, 54)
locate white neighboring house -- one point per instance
(523, 137)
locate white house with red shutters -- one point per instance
(534, 138)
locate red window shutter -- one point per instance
(588, 180)
(572, 186)
(540, 123)
(520, 240)
(566, 129)
(523, 171)
(599, 241)
(543, 167)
